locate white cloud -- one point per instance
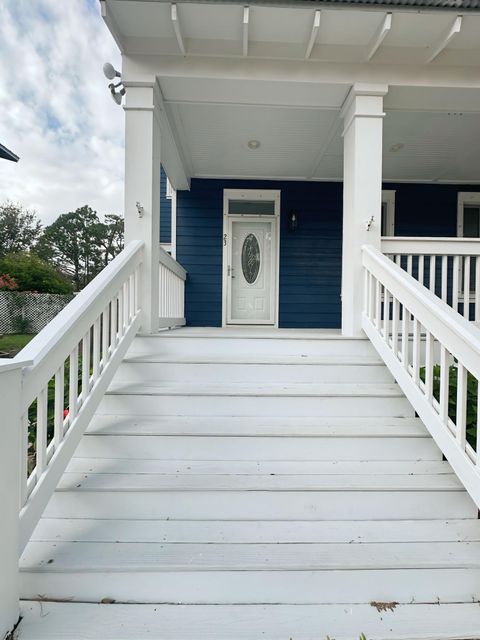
(57, 114)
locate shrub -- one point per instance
(31, 273)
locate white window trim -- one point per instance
(388, 197)
(251, 194)
(465, 197)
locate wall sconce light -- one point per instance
(293, 221)
(140, 209)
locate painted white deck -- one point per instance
(243, 484)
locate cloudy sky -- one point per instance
(56, 113)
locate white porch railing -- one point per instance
(449, 267)
(172, 278)
(411, 327)
(50, 391)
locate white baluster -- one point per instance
(416, 351)
(421, 269)
(42, 426)
(429, 366)
(105, 336)
(444, 384)
(444, 278)
(461, 417)
(405, 336)
(59, 407)
(85, 366)
(466, 287)
(432, 274)
(73, 386)
(477, 290)
(455, 283)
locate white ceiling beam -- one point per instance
(137, 69)
(313, 34)
(445, 40)
(246, 21)
(380, 35)
(176, 164)
(177, 29)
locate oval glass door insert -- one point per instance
(250, 258)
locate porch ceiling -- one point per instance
(438, 141)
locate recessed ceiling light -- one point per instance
(253, 144)
(397, 147)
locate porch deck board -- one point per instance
(69, 621)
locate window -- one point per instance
(468, 226)
(251, 202)
(388, 213)
(468, 214)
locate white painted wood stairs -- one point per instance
(254, 484)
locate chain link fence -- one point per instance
(26, 312)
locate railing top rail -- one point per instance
(169, 262)
(47, 350)
(449, 327)
(430, 245)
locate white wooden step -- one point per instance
(247, 587)
(262, 505)
(257, 400)
(274, 532)
(257, 448)
(53, 557)
(68, 621)
(192, 482)
(226, 344)
(287, 370)
(287, 468)
(279, 426)
(254, 573)
(329, 390)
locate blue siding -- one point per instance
(427, 209)
(165, 210)
(310, 258)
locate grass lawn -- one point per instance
(10, 345)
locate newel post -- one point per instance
(11, 466)
(142, 192)
(362, 115)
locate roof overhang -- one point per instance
(6, 154)
(279, 72)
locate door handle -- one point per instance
(230, 271)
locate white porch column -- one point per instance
(142, 185)
(11, 466)
(363, 114)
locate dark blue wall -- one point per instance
(310, 258)
(427, 209)
(165, 210)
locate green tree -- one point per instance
(111, 237)
(79, 245)
(19, 228)
(71, 245)
(31, 273)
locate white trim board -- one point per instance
(250, 194)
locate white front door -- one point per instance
(251, 273)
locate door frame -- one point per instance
(250, 194)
